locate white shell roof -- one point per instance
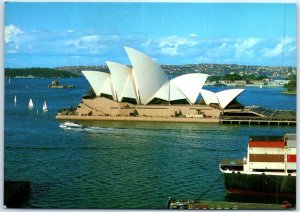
(147, 80)
(169, 92)
(129, 89)
(99, 81)
(209, 96)
(121, 76)
(190, 85)
(147, 75)
(225, 97)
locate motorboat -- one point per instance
(69, 124)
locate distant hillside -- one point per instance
(78, 69)
(211, 69)
(171, 70)
(39, 73)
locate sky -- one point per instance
(71, 34)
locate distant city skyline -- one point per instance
(70, 34)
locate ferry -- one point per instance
(69, 124)
(268, 169)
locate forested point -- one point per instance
(292, 85)
(39, 73)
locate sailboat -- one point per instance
(9, 80)
(45, 109)
(30, 104)
(15, 99)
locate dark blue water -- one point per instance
(119, 164)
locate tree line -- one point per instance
(292, 85)
(233, 77)
(38, 72)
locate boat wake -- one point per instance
(109, 130)
(97, 130)
(100, 129)
(72, 128)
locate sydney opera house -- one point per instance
(145, 90)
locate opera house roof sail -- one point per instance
(146, 81)
(147, 74)
(100, 82)
(122, 81)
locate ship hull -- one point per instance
(260, 183)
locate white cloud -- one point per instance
(243, 48)
(174, 45)
(11, 33)
(193, 35)
(172, 51)
(147, 42)
(216, 50)
(176, 41)
(279, 48)
(247, 43)
(94, 44)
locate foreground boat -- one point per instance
(69, 124)
(269, 169)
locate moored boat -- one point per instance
(269, 168)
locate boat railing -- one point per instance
(232, 165)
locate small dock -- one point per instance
(257, 121)
(259, 116)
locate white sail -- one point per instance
(45, 109)
(30, 104)
(15, 99)
(9, 80)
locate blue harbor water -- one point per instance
(120, 164)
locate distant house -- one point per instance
(240, 82)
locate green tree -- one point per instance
(38, 72)
(232, 77)
(292, 84)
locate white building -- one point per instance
(145, 90)
(146, 83)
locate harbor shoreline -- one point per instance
(147, 119)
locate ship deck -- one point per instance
(232, 164)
